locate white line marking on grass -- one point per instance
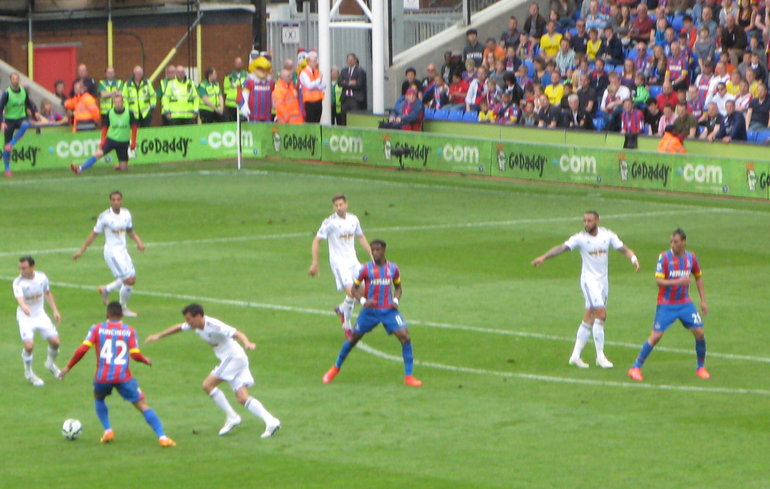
(565, 380)
(430, 324)
(426, 227)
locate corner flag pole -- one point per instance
(240, 140)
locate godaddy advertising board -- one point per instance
(414, 151)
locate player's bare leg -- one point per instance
(408, 355)
(272, 424)
(121, 166)
(600, 315)
(210, 385)
(125, 293)
(53, 353)
(154, 422)
(26, 357)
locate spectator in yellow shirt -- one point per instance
(593, 45)
(555, 91)
(549, 43)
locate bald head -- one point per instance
(285, 75)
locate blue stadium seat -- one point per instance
(455, 115)
(573, 31)
(607, 68)
(649, 53)
(633, 54)
(471, 116)
(530, 66)
(763, 136)
(599, 123)
(577, 14)
(428, 114)
(751, 136)
(440, 115)
(701, 130)
(655, 90)
(619, 69)
(677, 23)
(646, 129)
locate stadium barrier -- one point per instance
(416, 151)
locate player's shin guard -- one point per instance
(102, 413)
(406, 352)
(27, 359)
(700, 351)
(154, 421)
(583, 335)
(88, 164)
(220, 400)
(125, 294)
(19, 133)
(257, 409)
(643, 354)
(344, 351)
(598, 332)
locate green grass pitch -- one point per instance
(499, 408)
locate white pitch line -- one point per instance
(305, 310)
(396, 229)
(566, 380)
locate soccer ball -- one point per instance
(71, 429)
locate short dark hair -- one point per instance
(680, 232)
(30, 261)
(114, 310)
(338, 197)
(58, 82)
(193, 309)
(596, 214)
(471, 31)
(208, 73)
(410, 69)
(116, 192)
(378, 242)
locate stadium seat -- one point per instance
(471, 116)
(649, 53)
(655, 90)
(763, 136)
(599, 123)
(619, 69)
(633, 54)
(530, 66)
(577, 14)
(440, 115)
(646, 129)
(608, 68)
(751, 136)
(455, 115)
(573, 31)
(677, 23)
(701, 130)
(428, 114)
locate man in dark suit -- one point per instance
(353, 83)
(575, 117)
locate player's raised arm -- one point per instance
(49, 299)
(630, 255)
(172, 330)
(362, 239)
(139, 245)
(314, 253)
(90, 239)
(553, 252)
(245, 340)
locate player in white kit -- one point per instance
(233, 366)
(116, 223)
(30, 288)
(594, 244)
(340, 229)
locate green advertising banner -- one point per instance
(632, 169)
(406, 150)
(292, 141)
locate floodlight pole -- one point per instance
(325, 58)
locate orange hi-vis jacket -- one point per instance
(670, 144)
(312, 94)
(286, 103)
(85, 109)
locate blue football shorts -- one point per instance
(667, 314)
(128, 390)
(369, 318)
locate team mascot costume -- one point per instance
(255, 99)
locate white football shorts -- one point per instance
(120, 263)
(595, 293)
(234, 370)
(345, 275)
(40, 323)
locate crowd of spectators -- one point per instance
(694, 68)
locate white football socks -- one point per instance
(125, 293)
(347, 308)
(257, 409)
(221, 401)
(27, 359)
(114, 285)
(599, 337)
(52, 353)
(583, 335)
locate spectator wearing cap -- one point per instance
(510, 36)
(411, 79)
(474, 50)
(733, 126)
(575, 117)
(494, 48)
(352, 80)
(407, 113)
(535, 23)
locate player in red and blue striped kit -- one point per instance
(115, 342)
(381, 282)
(673, 275)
